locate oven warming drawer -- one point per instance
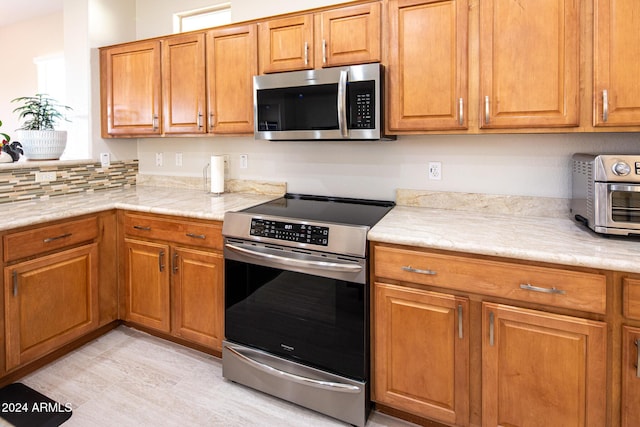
(339, 397)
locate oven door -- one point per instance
(305, 317)
(620, 212)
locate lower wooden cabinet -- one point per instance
(630, 396)
(540, 366)
(421, 354)
(49, 301)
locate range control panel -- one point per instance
(293, 232)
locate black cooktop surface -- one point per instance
(325, 209)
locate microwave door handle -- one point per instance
(342, 103)
(625, 188)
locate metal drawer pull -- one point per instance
(140, 227)
(637, 357)
(330, 385)
(306, 53)
(197, 236)
(161, 260)
(460, 335)
(15, 285)
(154, 122)
(486, 110)
(605, 105)
(211, 120)
(460, 111)
(52, 239)
(491, 337)
(324, 51)
(528, 287)
(419, 271)
(199, 120)
(174, 267)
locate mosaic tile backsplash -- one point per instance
(19, 182)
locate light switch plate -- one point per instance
(105, 160)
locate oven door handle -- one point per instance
(626, 188)
(292, 262)
(330, 385)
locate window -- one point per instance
(51, 77)
(198, 19)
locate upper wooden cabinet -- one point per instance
(183, 84)
(130, 89)
(616, 63)
(427, 69)
(529, 63)
(343, 36)
(232, 61)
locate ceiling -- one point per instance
(13, 11)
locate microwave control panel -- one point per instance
(290, 231)
(362, 102)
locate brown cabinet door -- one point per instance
(130, 89)
(198, 305)
(147, 293)
(421, 353)
(49, 301)
(540, 366)
(427, 70)
(630, 397)
(350, 35)
(183, 84)
(529, 63)
(286, 44)
(232, 61)
(616, 63)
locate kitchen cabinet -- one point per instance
(183, 84)
(529, 63)
(616, 63)
(421, 352)
(342, 36)
(51, 288)
(427, 66)
(130, 90)
(630, 394)
(542, 366)
(173, 277)
(524, 361)
(232, 61)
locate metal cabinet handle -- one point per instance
(528, 287)
(161, 260)
(637, 357)
(605, 105)
(306, 53)
(419, 271)
(460, 111)
(324, 51)
(53, 239)
(199, 120)
(154, 122)
(486, 110)
(211, 120)
(197, 236)
(460, 334)
(491, 325)
(174, 266)
(142, 227)
(15, 283)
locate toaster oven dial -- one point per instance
(621, 168)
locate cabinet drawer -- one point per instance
(174, 230)
(631, 298)
(39, 240)
(542, 285)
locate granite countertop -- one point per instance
(182, 202)
(554, 239)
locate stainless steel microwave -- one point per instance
(338, 103)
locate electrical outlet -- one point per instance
(45, 176)
(105, 160)
(178, 159)
(226, 164)
(244, 161)
(435, 170)
(158, 159)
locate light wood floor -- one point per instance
(129, 378)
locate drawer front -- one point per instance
(39, 240)
(631, 299)
(542, 285)
(174, 231)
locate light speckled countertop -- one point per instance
(159, 200)
(554, 240)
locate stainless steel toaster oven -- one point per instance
(606, 193)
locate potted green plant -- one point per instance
(40, 140)
(11, 151)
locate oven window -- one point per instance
(625, 206)
(312, 320)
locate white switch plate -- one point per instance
(178, 159)
(105, 160)
(244, 161)
(45, 176)
(435, 170)
(158, 159)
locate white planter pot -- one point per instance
(5, 157)
(43, 144)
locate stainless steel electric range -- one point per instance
(297, 301)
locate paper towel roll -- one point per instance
(217, 174)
